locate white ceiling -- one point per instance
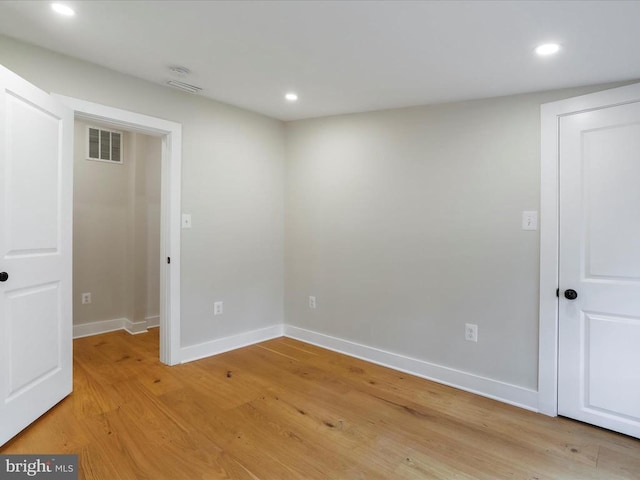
(344, 56)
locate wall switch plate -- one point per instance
(530, 220)
(86, 298)
(218, 308)
(312, 302)
(186, 220)
(471, 332)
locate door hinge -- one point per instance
(168, 259)
(558, 292)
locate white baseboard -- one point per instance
(153, 321)
(105, 326)
(221, 345)
(96, 328)
(486, 387)
(134, 328)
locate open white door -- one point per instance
(35, 253)
(599, 271)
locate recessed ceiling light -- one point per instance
(291, 97)
(63, 9)
(547, 49)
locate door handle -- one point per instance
(570, 294)
(4, 276)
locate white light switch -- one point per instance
(186, 220)
(530, 220)
(218, 308)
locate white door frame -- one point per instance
(171, 134)
(549, 230)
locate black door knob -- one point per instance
(570, 294)
(4, 276)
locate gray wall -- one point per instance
(147, 227)
(232, 184)
(406, 224)
(116, 231)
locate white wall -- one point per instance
(232, 184)
(406, 224)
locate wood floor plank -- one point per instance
(284, 409)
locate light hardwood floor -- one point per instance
(283, 409)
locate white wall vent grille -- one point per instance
(104, 145)
(185, 87)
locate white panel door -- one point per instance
(35, 253)
(599, 331)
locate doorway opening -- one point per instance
(170, 137)
(116, 230)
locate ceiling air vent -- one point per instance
(104, 145)
(185, 87)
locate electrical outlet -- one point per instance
(218, 308)
(471, 332)
(312, 302)
(86, 298)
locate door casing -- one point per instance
(170, 208)
(549, 230)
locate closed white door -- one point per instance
(599, 329)
(35, 253)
